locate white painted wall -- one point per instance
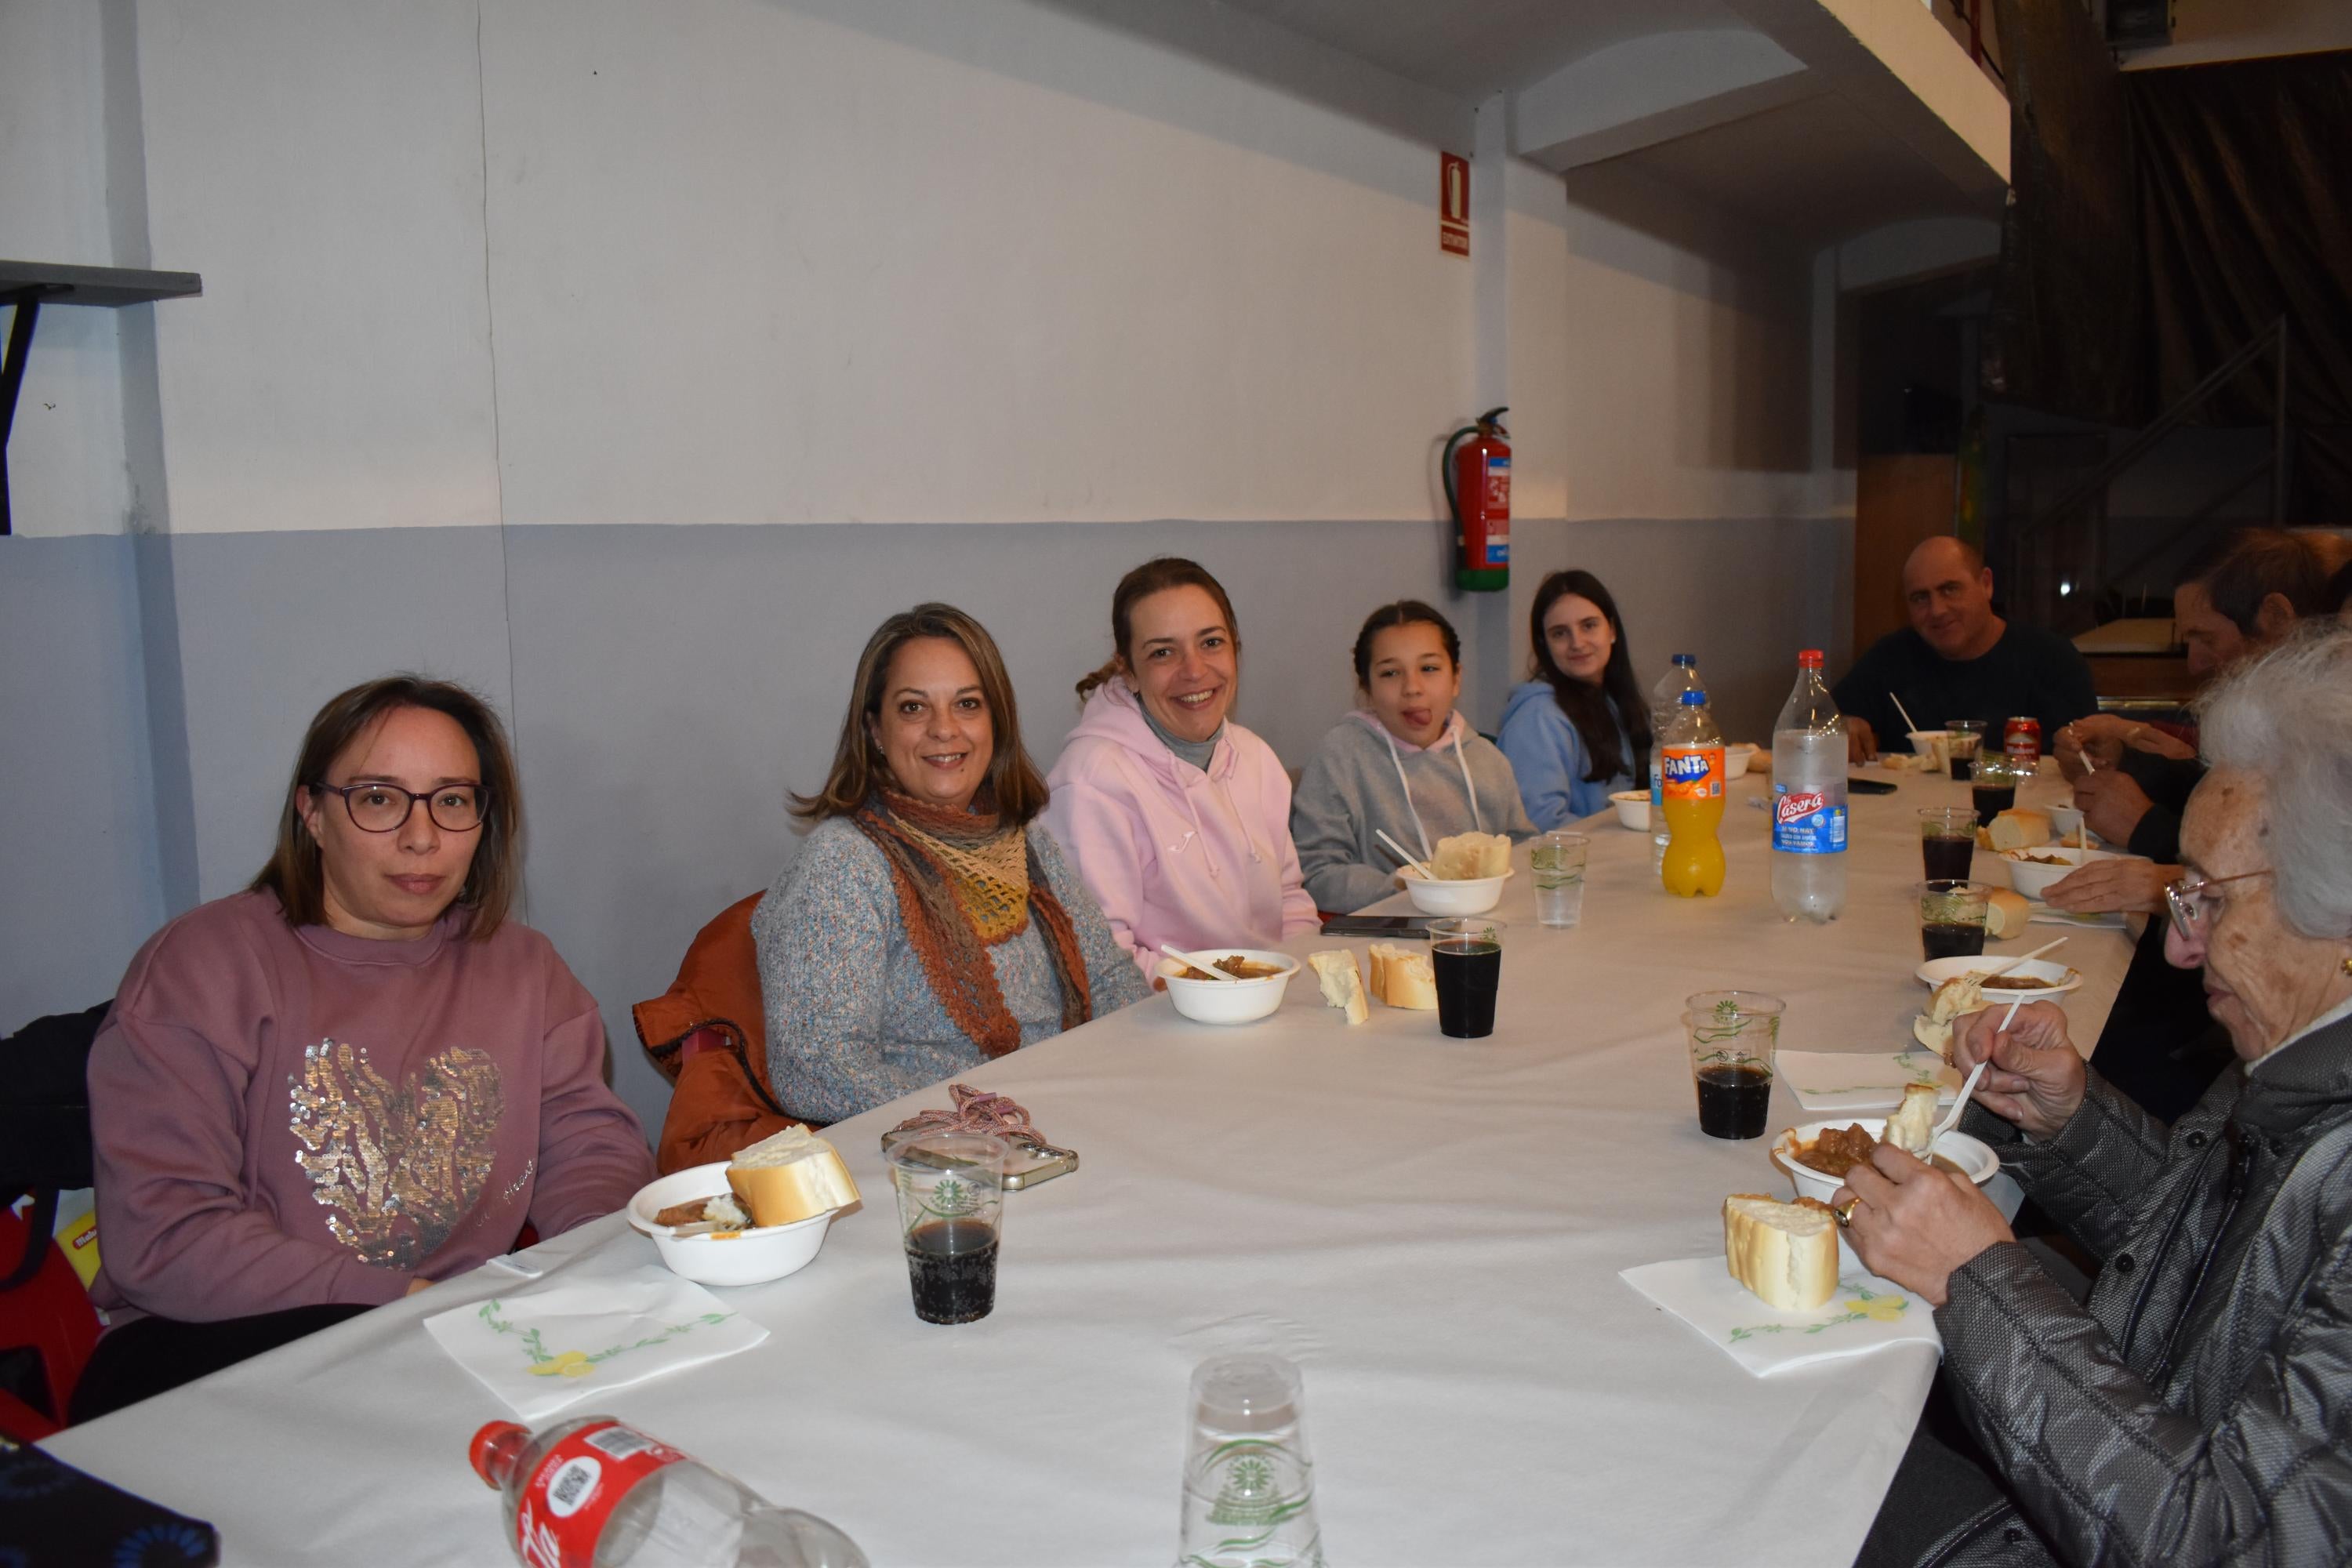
(66, 458)
(806, 260)
(321, 165)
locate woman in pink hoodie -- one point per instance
(1177, 819)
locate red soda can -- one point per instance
(2021, 739)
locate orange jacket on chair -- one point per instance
(708, 1035)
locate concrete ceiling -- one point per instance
(1472, 51)
(1833, 173)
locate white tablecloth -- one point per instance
(1432, 1227)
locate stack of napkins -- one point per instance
(1831, 1083)
(542, 1347)
(1866, 1314)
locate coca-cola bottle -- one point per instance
(594, 1493)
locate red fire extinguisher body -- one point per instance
(1478, 484)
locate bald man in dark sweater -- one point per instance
(1959, 660)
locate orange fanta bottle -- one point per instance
(1691, 782)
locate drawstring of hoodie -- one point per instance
(1454, 733)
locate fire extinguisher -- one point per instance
(1478, 472)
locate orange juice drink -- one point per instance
(1692, 782)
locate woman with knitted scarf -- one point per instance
(926, 925)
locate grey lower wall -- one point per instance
(667, 686)
(79, 883)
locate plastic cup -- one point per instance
(951, 1188)
(1952, 918)
(1994, 786)
(1734, 1037)
(1466, 957)
(1947, 842)
(1249, 1483)
(1557, 862)
(1967, 744)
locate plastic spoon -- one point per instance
(1405, 855)
(1908, 721)
(1202, 964)
(2021, 958)
(1952, 1116)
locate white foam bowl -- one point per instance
(1633, 809)
(1737, 758)
(1972, 1155)
(1469, 896)
(750, 1257)
(2034, 880)
(1925, 743)
(2060, 978)
(1229, 1001)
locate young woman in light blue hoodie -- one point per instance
(1407, 762)
(1581, 729)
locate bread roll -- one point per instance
(1403, 978)
(2007, 914)
(1464, 855)
(2019, 828)
(790, 1177)
(1953, 999)
(1786, 1253)
(1343, 984)
(1913, 1125)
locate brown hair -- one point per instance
(2247, 566)
(1403, 613)
(1154, 576)
(1596, 711)
(1012, 782)
(293, 872)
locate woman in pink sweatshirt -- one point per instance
(356, 1076)
(1177, 819)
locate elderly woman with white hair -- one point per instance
(2194, 1408)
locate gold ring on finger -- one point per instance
(1844, 1212)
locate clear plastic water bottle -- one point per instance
(1809, 799)
(595, 1491)
(1666, 703)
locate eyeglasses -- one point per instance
(2189, 900)
(386, 808)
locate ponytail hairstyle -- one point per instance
(1403, 613)
(1154, 576)
(1588, 707)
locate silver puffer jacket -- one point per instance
(2198, 1409)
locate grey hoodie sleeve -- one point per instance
(1327, 822)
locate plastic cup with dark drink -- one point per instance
(1466, 956)
(1952, 918)
(950, 1189)
(1947, 842)
(1993, 789)
(1964, 742)
(1733, 1036)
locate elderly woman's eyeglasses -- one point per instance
(2189, 900)
(386, 808)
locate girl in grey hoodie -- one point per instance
(1408, 763)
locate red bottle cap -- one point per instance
(494, 1449)
(1810, 658)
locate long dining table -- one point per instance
(1432, 1227)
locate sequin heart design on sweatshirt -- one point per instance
(401, 1165)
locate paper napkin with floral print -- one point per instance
(543, 1346)
(1866, 1314)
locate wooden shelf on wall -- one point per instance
(28, 285)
